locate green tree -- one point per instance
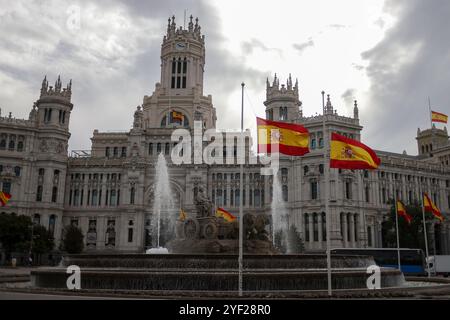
(72, 241)
(410, 235)
(15, 233)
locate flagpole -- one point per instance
(425, 231)
(326, 167)
(241, 186)
(431, 122)
(396, 226)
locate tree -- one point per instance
(410, 235)
(72, 241)
(15, 233)
(292, 237)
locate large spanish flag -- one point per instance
(439, 117)
(431, 207)
(347, 153)
(401, 211)
(292, 139)
(225, 214)
(4, 198)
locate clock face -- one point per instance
(180, 46)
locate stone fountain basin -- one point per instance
(214, 272)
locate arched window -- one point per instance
(12, 145)
(158, 148)
(51, 225)
(167, 149)
(3, 142)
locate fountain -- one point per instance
(163, 206)
(280, 221)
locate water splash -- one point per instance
(280, 220)
(163, 204)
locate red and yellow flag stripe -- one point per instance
(439, 117)
(4, 198)
(292, 139)
(431, 207)
(401, 211)
(351, 154)
(220, 212)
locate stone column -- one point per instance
(352, 229)
(345, 231)
(320, 227)
(311, 227)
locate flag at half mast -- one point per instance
(290, 138)
(351, 154)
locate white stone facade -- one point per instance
(108, 190)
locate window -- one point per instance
(132, 195)
(41, 172)
(369, 236)
(320, 143)
(383, 195)
(158, 148)
(237, 197)
(123, 154)
(313, 144)
(20, 146)
(314, 190)
(179, 72)
(130, 234)
(348, 190)
(285, 193)
(167, 149)
(54, 194)
(257, 198)
(51, 225)
(367, 193)
(3, 142)
(12, 145)
(17, 171)
(94, 200)
(316, 227)
(112, 198)
(37, 219)
(306, 227)
(115, 151)
(107, 152)
(39, 194)
(150, 149)
(321, 170)
(305, 170)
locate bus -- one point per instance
(412, 261)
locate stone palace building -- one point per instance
(108, 191)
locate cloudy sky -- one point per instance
(390, 55)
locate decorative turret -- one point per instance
(193, 31)
(356, 110)
(329, 106)
(56, 92)
(282, 103)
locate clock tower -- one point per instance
(178, 98)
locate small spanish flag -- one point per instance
(177, 116)
(225, 215)
(439, 117)
(292, 139)
(431, 207)
(4, 198)
(182, 215)
(347, 153)
(401, 211)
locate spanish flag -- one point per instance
(292, 139)
(401, 211)
(225, 214)
(347, 153)
(431, 207)
(182, 215)
(439, 117)
(177, 116)
(4, 198)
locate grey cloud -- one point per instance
(401, 81)
(249, 46)
(301, 47)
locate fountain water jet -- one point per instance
(163, 204)
(280, 221)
